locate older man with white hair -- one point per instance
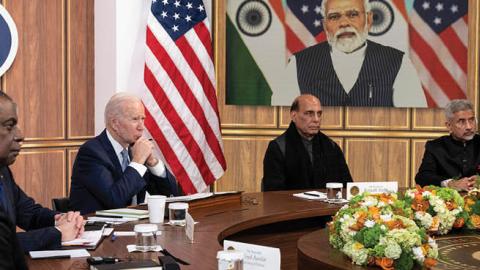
(117, 168)
(349, 69)
(453, 160)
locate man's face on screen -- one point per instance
(11, 136)
(129, 126)
(308, 117)
(346, 24)
(463, 125)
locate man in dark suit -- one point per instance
(303, 157)
(453, 160)
(11, 256)
(44, 228)
(350, 70)
(116, 168)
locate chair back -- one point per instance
(61, 204)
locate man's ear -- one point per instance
(293, 116)
(448, 124)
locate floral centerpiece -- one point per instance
(436, 209)
(377, 230)
(472, 207)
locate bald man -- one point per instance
(303, 157)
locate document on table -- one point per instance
(73, 253)
(87, 239)
(312, 195)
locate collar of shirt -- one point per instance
(117, 147)
(351, 62)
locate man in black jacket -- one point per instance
(453, 160)
(303, 157)
(11, 257)
(44, 228)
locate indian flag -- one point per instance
(257, 70)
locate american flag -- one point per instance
(182, 112)
(438, 47)
(303, 24)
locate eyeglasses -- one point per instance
(352, 15)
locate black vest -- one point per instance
(374, 86)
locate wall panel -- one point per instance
(36, 79)
(378, 159)
(41, 174)
(244, 163)
(80, 62)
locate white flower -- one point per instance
(418, 254)
(426, 194)
(425, 219)
(386, 217)
(381, 204)
(393, 250)
(383, 227)
(369, 223)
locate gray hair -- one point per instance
(457, 105)
(113, 109)
(366, 5)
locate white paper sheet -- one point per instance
(74, 253)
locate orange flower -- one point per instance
(394, 224)
(435, 224)
(374, 212)
(475, 220)
(362, 217)
(459, 222)
(419, 204)
(429, 263)
(450, 205)
(385, 263)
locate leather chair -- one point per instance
(61, 204)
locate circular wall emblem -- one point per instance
(383, 17)
(9, 40)
(254, 17)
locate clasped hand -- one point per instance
(463, 184)
(70, 225)
(142, 152)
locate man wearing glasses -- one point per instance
(453, 160)
(349, 69)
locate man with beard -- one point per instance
(350, 70)
(44, 228)
(117, 168)
(303, 157)
(454, 160)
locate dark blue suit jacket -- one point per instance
(37, 221)
(98, 181)
(11, 257)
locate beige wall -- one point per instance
(52, 82)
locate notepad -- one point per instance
(124, 213)
(73, 253)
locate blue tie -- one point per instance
(125, 160)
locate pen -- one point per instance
(54, 257)
(105, 216)
(311, 194)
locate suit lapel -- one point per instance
(107, 146)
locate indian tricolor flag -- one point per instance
(257, 72)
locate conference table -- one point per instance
(276, 219)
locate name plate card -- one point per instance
(256, 257)
(356, 188)
(189, 227)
